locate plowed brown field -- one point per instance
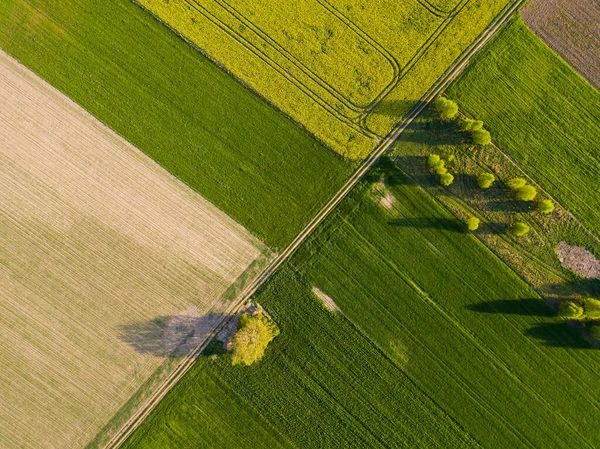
(572, 29)
(107, 264)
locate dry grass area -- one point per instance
(108, 264)
(572, 29)
(579, 260)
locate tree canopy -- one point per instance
(516, 183)
(481, 137)
(570, 310)
(545, 206)
(520, 229)
(446, 109)
(250, 341)
(526, 193)
(473, 223)
(485, 180)
(446, 179)
(591, 308)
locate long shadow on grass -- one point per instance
(396, 108)
(525, 307)
(559, 335)
(446, 224)
(168, 336)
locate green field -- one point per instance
(164, 97)
(347, 70)
(542, 113)
(438, 344)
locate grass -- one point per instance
(437, 344)
(348, 70)
(141, 80)
(542, 113)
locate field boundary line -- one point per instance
(186, 363)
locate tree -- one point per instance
(446, 109)
(446, 179)
(476, 125)
(516, 183)
(570, 310)
(520, 229)
(251, 339)
(485, 180)
(526, 193)
(473, 223)
(591, 308)
(433, 160)
(481, 137)
(441, 170)
(545, 206)
(595, 332)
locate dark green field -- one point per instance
(542, 113)
(195, 120)
(438, 344)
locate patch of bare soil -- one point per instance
(579, 260)
(384, 196)
(327, 301)
(572, 29)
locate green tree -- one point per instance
(476, 125)
(433, 160)
(516, 183)
(520, 228)
(473, 224)
(595, 332)
(570, 310)
(446, 179)
(545, 206)
(446, 109)
(526, 193)
(441, 171)
(485, 180)
(251, 340)
(481, 137)
(591, 308)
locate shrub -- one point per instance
(570, 310)
(441, 170)
(526, 193)
(251, 339)
(433, 160)
(545, 206)
(446, 179)
(516, 183)
(591, 308)
(481, 137)
(485, 180)
(473, 223)
(446, 109)
(520, 229)
(595, 332)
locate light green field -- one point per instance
(347, 70)
(437, 344)
(542, 113)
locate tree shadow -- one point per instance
(169, 336)
(396, 108)
(524, 307)
(494, 227)
(508, 206)
(387, 169)
(559, 335)
(577, 288)
(446, 224)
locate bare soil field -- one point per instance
(108, 265)
(572, 29)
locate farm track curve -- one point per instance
(185, 364)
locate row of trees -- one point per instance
(588, 309)
(447, 110)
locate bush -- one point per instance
(250, 341)
(433, 160)
(481, 137)
(485, 180)
(595, 332)
(570, 310)
(526, 193)
(446, 109)
(516, 183)
(473, 224)
(446, 179)
(545, 206)
(591, 308)
(520, 229)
